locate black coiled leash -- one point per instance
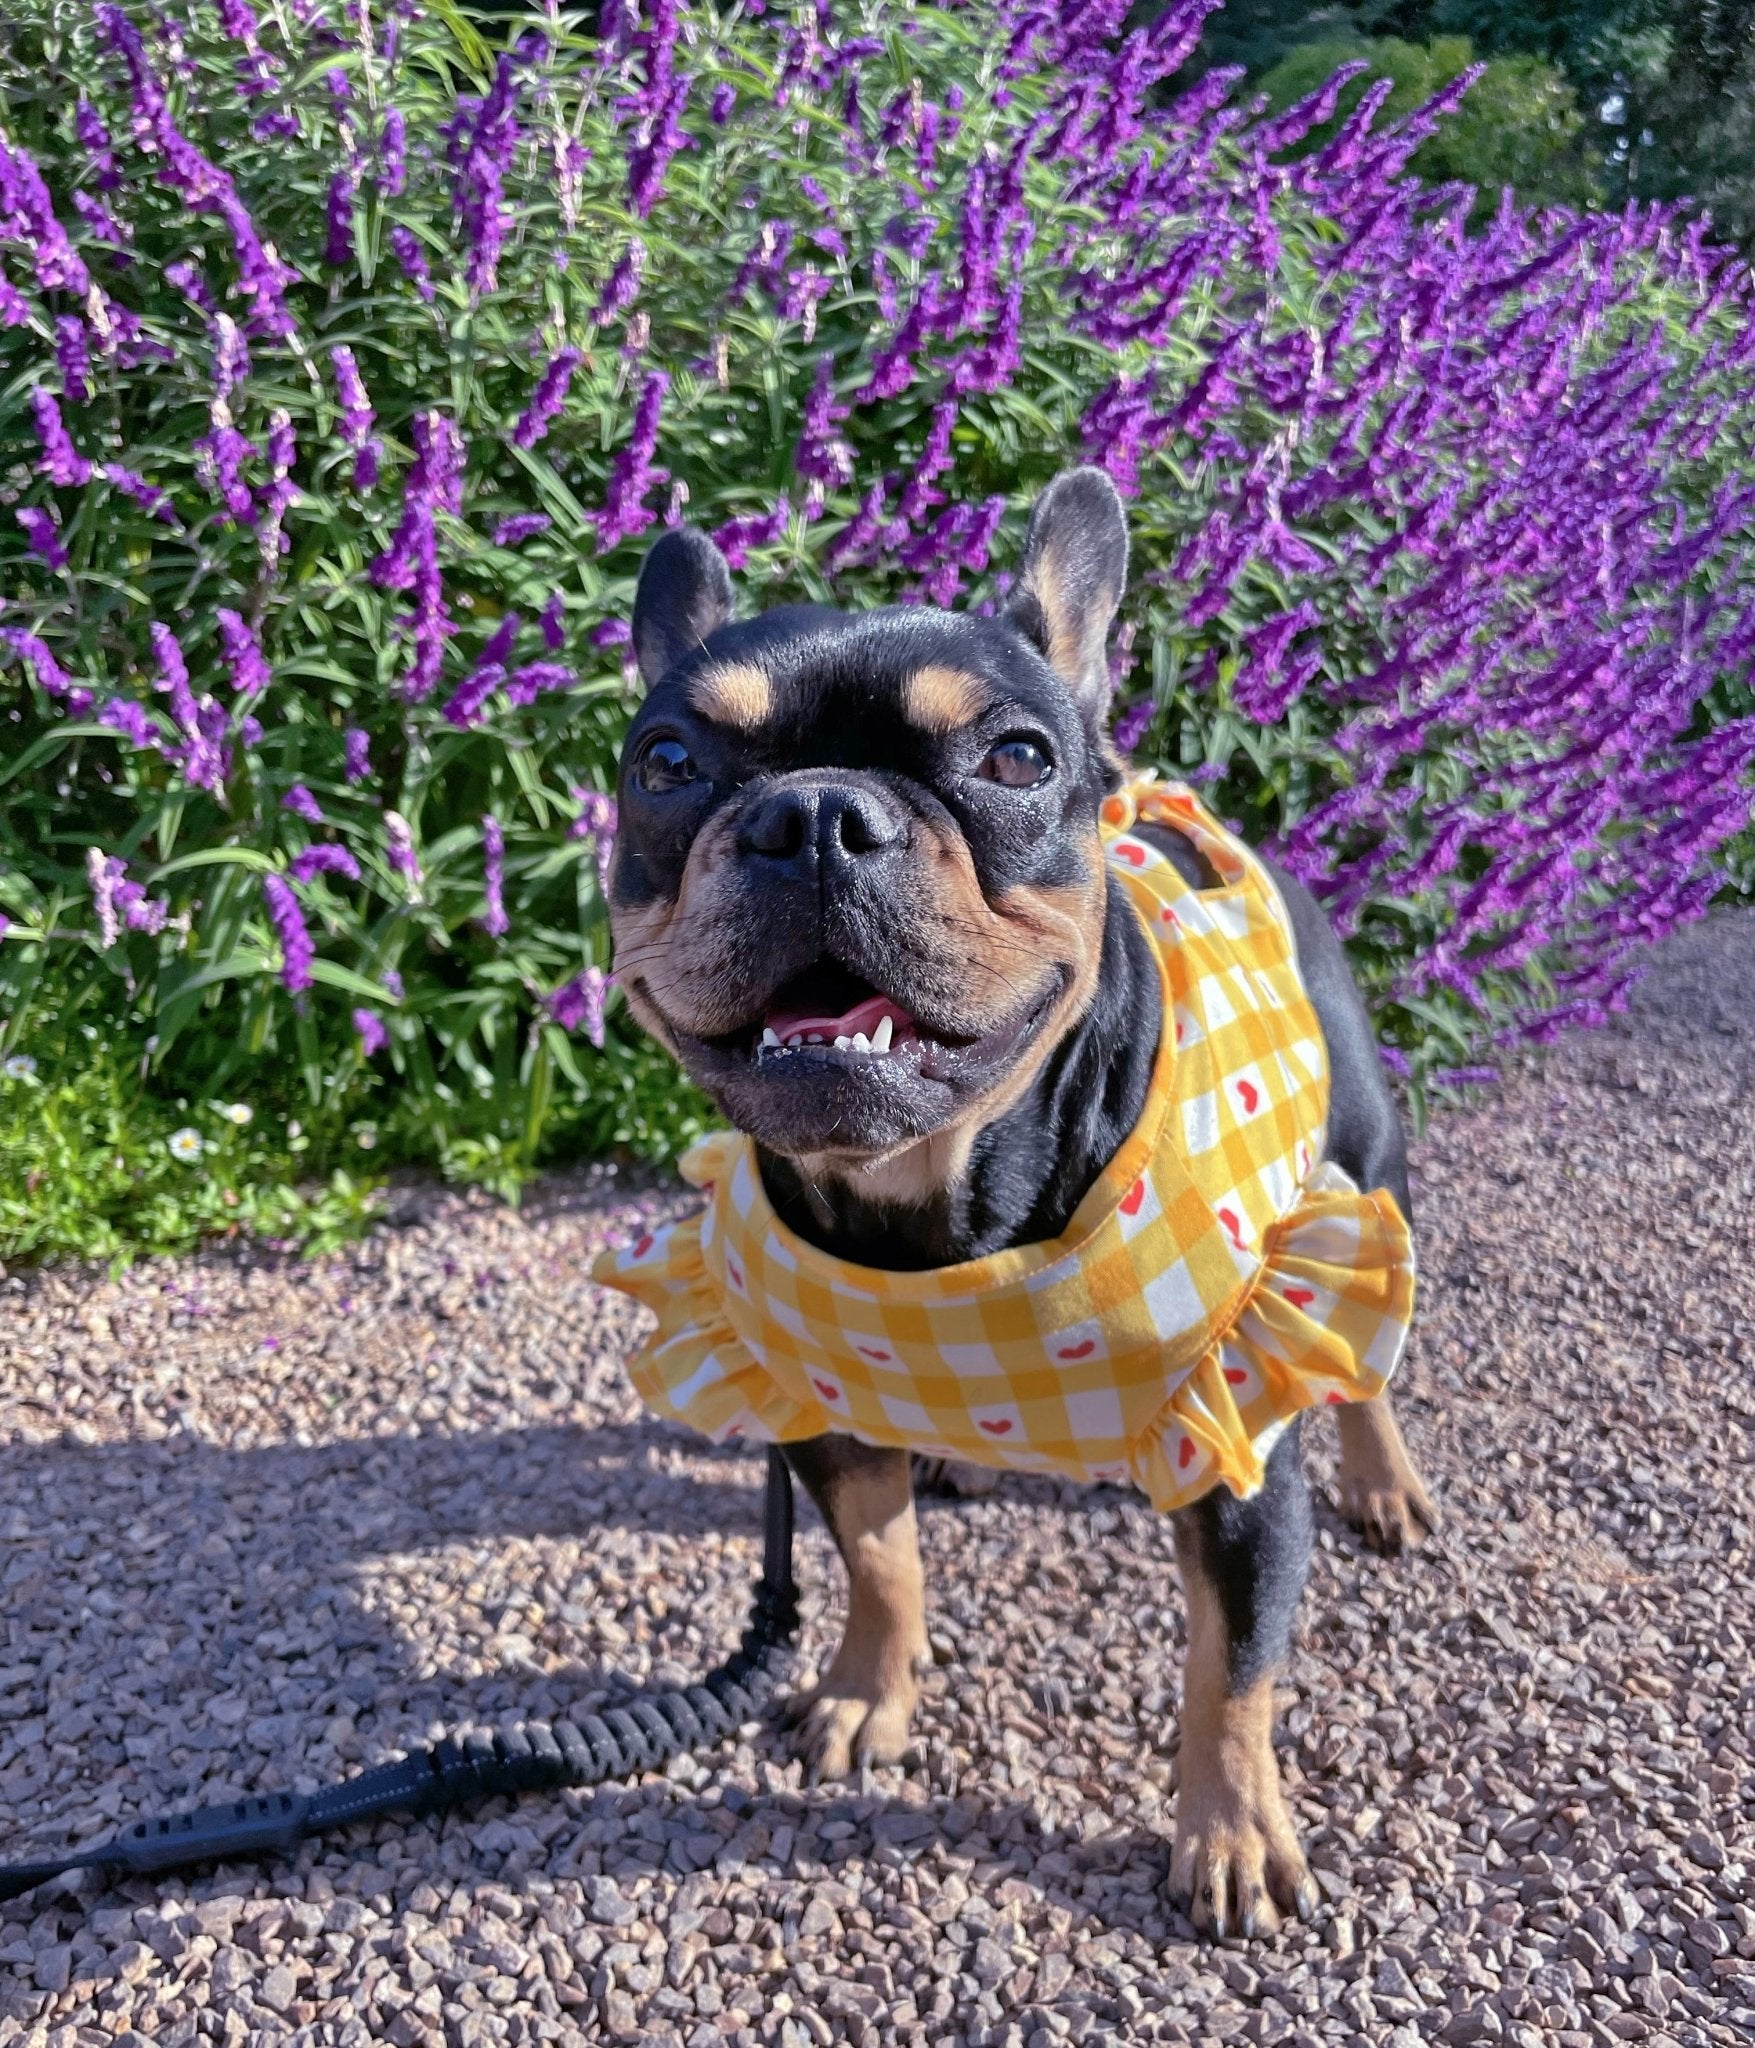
(527, 1756)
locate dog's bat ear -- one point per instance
(1071, 580)
(684, 593)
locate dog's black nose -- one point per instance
(818, 828)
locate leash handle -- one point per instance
(458, 1769)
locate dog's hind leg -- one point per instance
(1381, 1491)
(1237, 1866)
(860, 1708)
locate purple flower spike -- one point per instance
(392, 156)
(399, 847)
(520, 526)
(73, 357)
(632, 474)
(296, 950)
(131, 720)
(356, 408)
(133, 485)
(312, 861)
(409, 253)
(356, 754)
(550, 395)
(302, 804)
(1130, 727)
(47, 673)
(372, 1034)
(493, 849)
(243, 654)
(580, 1002)
(338, 249)
(63, 463)
(94, 138)
(43, 535)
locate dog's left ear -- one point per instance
(1071, 580)
(684, 593)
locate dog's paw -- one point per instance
(839, 1723)
(1379, 1487)
(952, 1479)
(1391, 1517)
(1237, 1870)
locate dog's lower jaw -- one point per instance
(861, 1708)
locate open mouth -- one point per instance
(832, 1060)
(830, 1018)
(829, 1006)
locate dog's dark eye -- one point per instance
(664, 765)
(1017, 764)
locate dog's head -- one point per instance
(858, 889)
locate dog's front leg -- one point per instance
(1237, 1866)
(860, 1708)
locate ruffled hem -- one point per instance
(1325, 1323)
(695, 1369)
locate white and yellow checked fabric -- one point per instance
(1215, 1280)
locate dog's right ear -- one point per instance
(684, 593)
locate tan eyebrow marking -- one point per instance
(733, 693)
(942, 699)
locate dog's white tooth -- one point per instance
(816, 1038)
(880, 1038)
(860, 1042)
(843, 1043)
(769, 1035)
(795, 1041)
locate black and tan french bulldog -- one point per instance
(829, 820)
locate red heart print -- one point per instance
(1109, 1472)
(1131, 1201)
(1249, 1094)
(707, 1186)
(1000, 1428)
(1179, 1033)
(827, 1389)
(734, 1432)
(736, 1273)
(642, 1245)
(1082, 1349)
(1335, 1400)
(1167, 916)
(1235, 1375)
(1299, 1297)
(1185, 1454)
(1228, 1217)
(870, 1351)
(1132, 852)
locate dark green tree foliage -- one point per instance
(1665, 88)
(1519, 126)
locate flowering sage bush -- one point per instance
(351, 361)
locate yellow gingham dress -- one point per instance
(1216, 1278)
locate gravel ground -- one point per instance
(261, 1522)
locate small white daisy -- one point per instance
(365, 1140)
(184, 1144)
(239, 1113)
(19, 1067)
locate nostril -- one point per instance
(779, 828)
(855, 823)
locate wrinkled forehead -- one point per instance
(819, 686)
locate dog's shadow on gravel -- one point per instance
(259, 1564)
